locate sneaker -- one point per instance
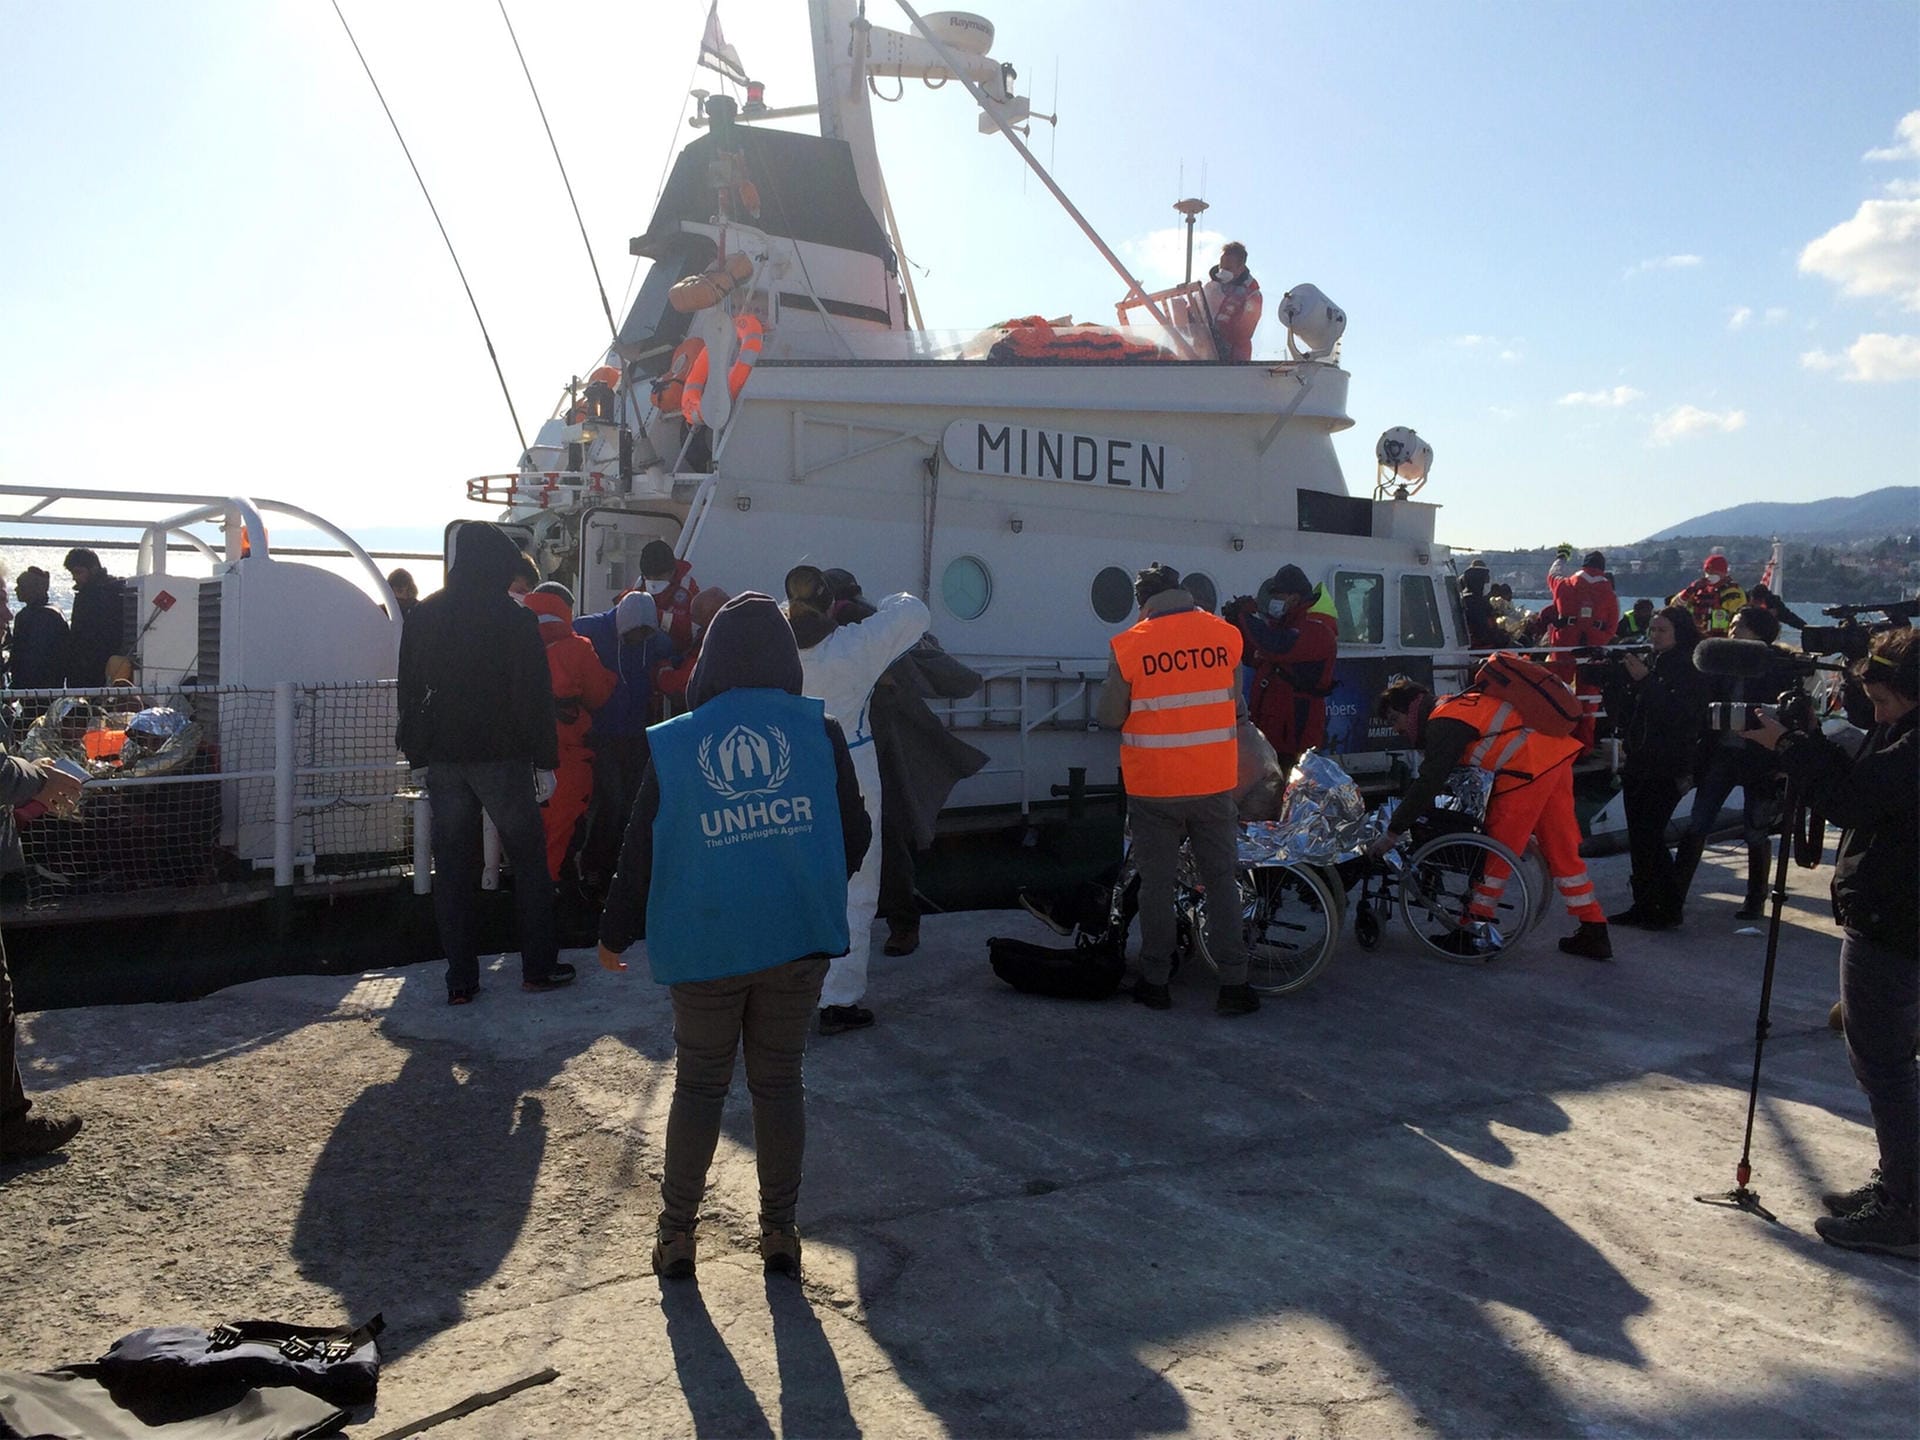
(1041, 910)
(462, 997)
(780, 1250)
(32, 1136)
(836, 1018)
(1845, 1202)
(1236, 1000)
(559, 975)
(673, 1252)
(1883, 1225)
(901, 939)
(1590, 941)
(1154, 997)
(1751, 911)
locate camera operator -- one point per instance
(1876, 798)
(1729, 761)
(1659, 706)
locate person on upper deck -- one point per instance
(37, 651)
(1483, 631)
(1715, 598)
(406, 591)
(1233, 303)
(1292, 639)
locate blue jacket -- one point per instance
(747, 845)
(625, 714)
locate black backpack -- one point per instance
(1090, 970)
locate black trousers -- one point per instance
(1650, 801)
(13, 1096)
(1880, 985)
(897, 905)
(619, 764)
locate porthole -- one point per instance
(1202, 588)
(1113, 595)
(966, 587)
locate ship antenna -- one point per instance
(599, 284)
(458, 268)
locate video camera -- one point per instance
(1756, 660)
(1850, 637)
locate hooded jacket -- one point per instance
(581, 684)
(627, 712)
(748, 647)
(474, 685)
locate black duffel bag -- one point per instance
(1089, 971)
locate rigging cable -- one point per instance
(599, 284)
(448, 240)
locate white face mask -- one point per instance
(1276, 608)
(654, 587)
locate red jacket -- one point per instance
(675, 604)
(1290, 674)
(1589, 610)
(581, 684)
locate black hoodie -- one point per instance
(474, 685)
(749, 645)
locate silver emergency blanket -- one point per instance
(1467, 790)
(1322, 819)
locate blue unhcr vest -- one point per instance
(749, 868)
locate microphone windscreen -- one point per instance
(1741, 659)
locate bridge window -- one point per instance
(1359, 602)
(1419, 613)
(966, 587)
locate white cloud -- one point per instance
(1685, 420)
(1775, 314)
(1509, 350)
(1874, 357)
(1907, 147)
(1665, 262)
(1904, 189)
(1606, 399)
(1739, 317)
(1877, 252)
(1160, 256)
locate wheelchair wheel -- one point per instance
(1436, 888)
(1290, 921)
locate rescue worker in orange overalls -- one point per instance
(1586, 613)
(1170, 693)
(1532, 797)
(581, 685)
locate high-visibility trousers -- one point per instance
(572, 788)
(1540, 809)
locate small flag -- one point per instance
(163, 601)
(716, 53)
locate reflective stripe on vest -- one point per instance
(1179, 734)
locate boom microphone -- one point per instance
(1751, 660)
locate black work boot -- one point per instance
(1686, 860)
(1883, 1223)
(31, 1136)
(1590, 941)
(1759, 858)
(1845, 1202)
(1154, 997)
(1236, 1000)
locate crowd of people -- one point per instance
(45, 650)
(684, 748)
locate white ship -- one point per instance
(1015, 479)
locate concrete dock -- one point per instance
(1414, 1199)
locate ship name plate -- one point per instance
(1027, 452)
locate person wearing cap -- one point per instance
(24, 1135)
(581, 685)
(1292, 639)
(1483, 631)
(669, 580)
(734, 871)
(840, 663)
(1714, 598)
(628, 641)
(476, 712)
(37, 650)
(1170, 691)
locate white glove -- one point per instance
(543, 785)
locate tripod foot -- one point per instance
(1741, 1198)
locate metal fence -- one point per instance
(199, 795)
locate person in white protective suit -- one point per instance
(839, 665)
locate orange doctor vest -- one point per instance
(1179, 734)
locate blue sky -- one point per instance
(1619, 264)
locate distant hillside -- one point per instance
(1892, 511)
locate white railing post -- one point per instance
(422, 845)
(284, 763)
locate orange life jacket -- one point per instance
(1179, 735)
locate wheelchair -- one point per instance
(1291, 916)
(1430, 879)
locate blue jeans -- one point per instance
(1880, 985)
(1727, 768)
(459, 791)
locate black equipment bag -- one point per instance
(1079, 972)
(341, 1366)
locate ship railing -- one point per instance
(1026, 697)
(288, 788)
